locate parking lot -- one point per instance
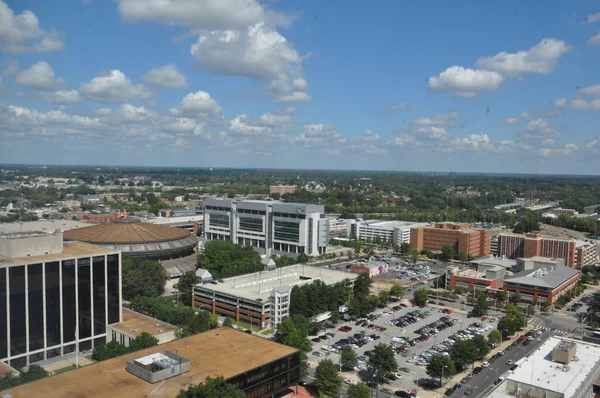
(412, 349)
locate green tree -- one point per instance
(109, 350)
(359, 390)
(362, 284)
(413, 254)
(515, 298)
(383, 360)
(441, 366)
(495, 337)
(463, 352)
(397, 290)
(501, 296)
(462, 256)
(291, 335)
(184, 285)
(223, 258)
(404, 248)
(480, 344)
(420, 297)
(142, 277)
(228, 322)
(348, 358)
(448, 253)
(481, 305)
(212, 388)
(275, 196)
(384, 297)
(144, 340)
(327, 380)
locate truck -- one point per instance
(322, 317)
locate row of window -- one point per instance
(289, 215)
(248, 211)
(218, 208)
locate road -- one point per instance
(483, 383)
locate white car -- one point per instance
(485, 364)
(349, 381)
(397, 375)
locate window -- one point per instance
(16, 281)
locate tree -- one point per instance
(481, 305)
(397, 290)
(448, 253)
(413, 254)
(441, 366)
(362, 284)
(462, 353)
(109, 350)
(223, 258)
(348, 358)
(275, 196)
(481, 346)
(302, 258)
(495, 337)
(462, 256)
(384, 297)
(501, 296)
(420, 297)
(404, 248)
(515, 298)
(142, 277)
(212, 388)
(184, 285)
(144, 340)
(327, 380)
(289, 334)
(228, 322)
(359, 390)
(383, 360)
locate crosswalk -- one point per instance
(554, 331)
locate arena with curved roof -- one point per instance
(137, 239)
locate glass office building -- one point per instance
(48, 301)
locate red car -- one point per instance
(442, 304)
(345, 329)
(483, 318)
(522, 337)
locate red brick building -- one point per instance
(534, 244)
(474, 242)
(483, 277)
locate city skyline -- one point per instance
(249, 84)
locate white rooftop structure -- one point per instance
(538, 376)
(150, 359)
(41, 226)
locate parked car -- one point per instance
(485, 364)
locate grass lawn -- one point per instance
(66, 369)
(267, 331)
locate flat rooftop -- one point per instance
(41, 226)
(389, 224)
(503, 262)
(551, 277)
(259, 285)
(70, 249)
(539, 370)
(475, 273)
(220, 352)
(142, 323)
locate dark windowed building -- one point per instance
(50, 292)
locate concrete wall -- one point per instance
(32, 245)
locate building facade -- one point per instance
(282, 189)
(533, 244)
(395, 232)
(269, 227)
(54, 293)
(482, 277)
(474, 242)
(373, 268)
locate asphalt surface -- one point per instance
(483, 383)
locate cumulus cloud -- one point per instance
(594, 40)
(538, 131)
(62, 97)
(22, 33)
(581, 104)
(560, 103)
(165, 76)
(114, 86)
(592, 18)
(199, 105)
(465, 82)
(518, 119)
(541, 58)
(40, 76)
(592, 91)
(206, 14)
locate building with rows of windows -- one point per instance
(269, 227)
(53, 293)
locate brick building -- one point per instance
(474, 242)
(480, 277)
(282, 189)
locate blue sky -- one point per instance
(506, 86)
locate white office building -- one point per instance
(270, 227)
(280, 303)
(396, 232)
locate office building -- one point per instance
(262, 298)
(586, 253)
(50, 291)
(394, 232)
(463, 238)
(282, 189)
(133, 324)
(257, 366)
(559, 368)
(534, 244)
(137, 239)
(269, 227)
(541, 280)
(481, 276)
(339, 227)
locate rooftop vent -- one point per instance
(564, 352)
(158, 366)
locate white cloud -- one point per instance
(593, 18)
(400, 106)
(560, 103)
(12, 68)
(443, 120)
(22, 33)
(62, 97)
(541, 58)
(592, 91)
(205, 14)
(581, 104)
(518, 119)
(200, 105)
(40, 76)
(135, 114)
(297, 97)
(165, 76)
(594, 40)
(465, 82)
(538, 131)
(114, 87)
